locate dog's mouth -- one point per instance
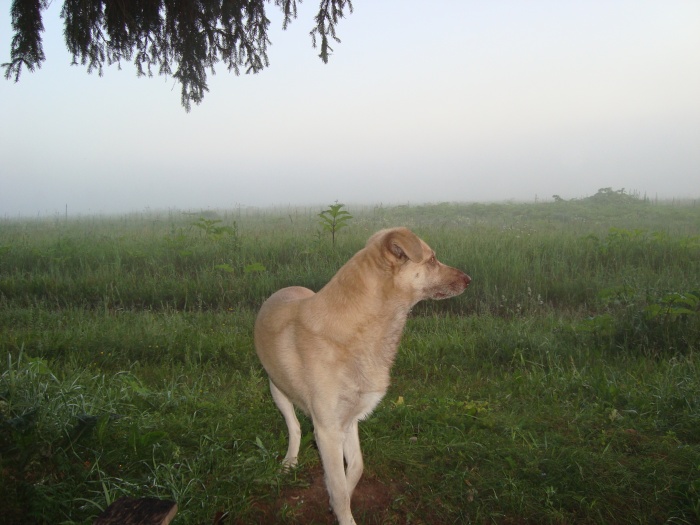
(451, 290)
(447, 293)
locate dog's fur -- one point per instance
(330, 353)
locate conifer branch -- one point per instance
(179, 38)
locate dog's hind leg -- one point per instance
(290, 417)
(353, 457)
(330, 446)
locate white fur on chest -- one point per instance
(368, 402)
(374, 368)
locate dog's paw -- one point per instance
(289, 464)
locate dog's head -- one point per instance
(414, 267)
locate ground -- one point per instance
(372, 502)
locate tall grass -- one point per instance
(562, 387)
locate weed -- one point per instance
(334, 218)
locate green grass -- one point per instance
(562, 387)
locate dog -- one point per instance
(330, 353)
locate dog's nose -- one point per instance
(467, 279)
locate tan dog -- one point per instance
(330, 353)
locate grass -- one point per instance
(562, 387)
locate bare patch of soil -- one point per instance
(371, 503)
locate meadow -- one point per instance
(562, 387)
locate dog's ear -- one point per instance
(402, 243)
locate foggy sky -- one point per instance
(421, 102)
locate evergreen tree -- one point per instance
(181, 38)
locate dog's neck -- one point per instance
(383, 311)
(368, 290)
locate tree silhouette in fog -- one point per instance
(181, 38)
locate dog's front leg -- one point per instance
(353, 457)
(330, 446)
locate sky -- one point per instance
(459, 101)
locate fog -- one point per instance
(421, 102)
